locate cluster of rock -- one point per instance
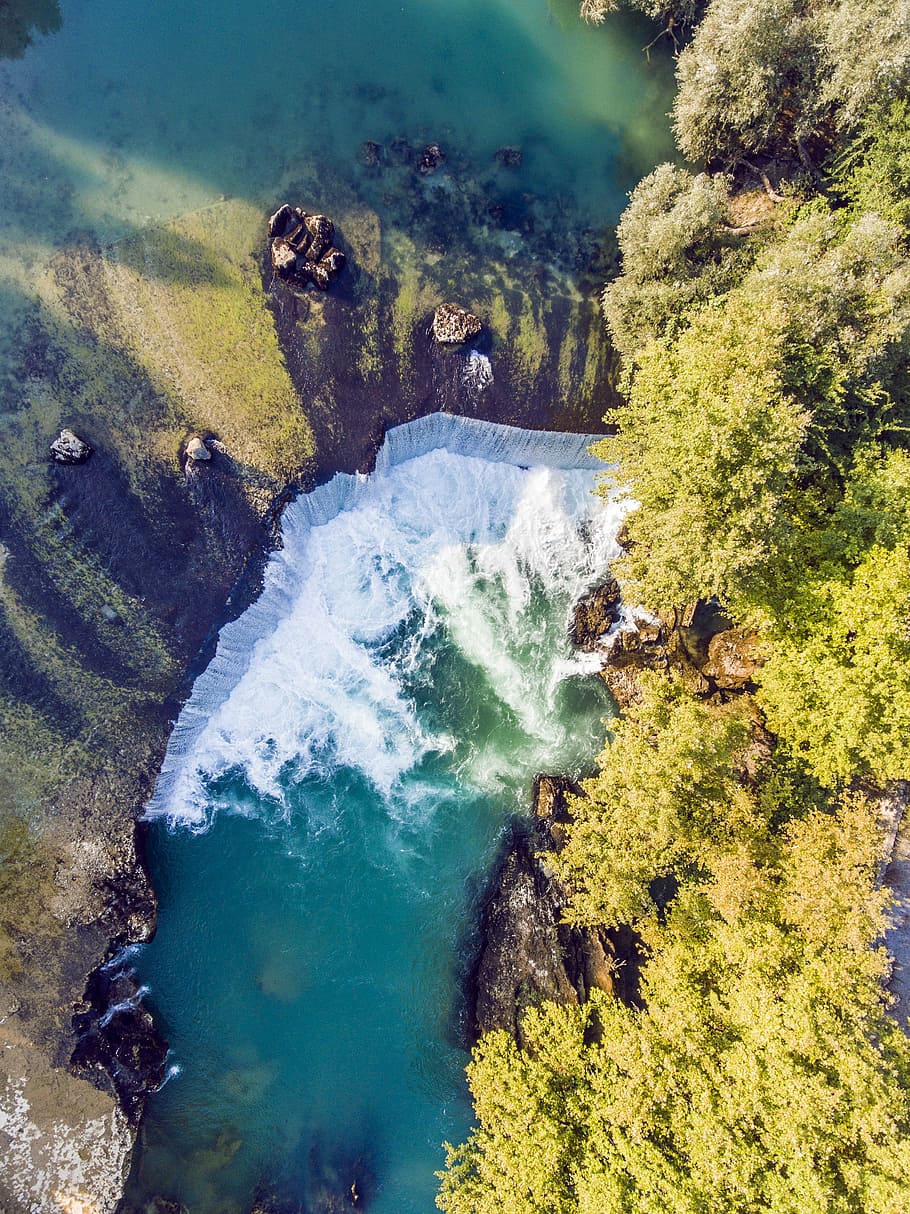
(69, 448)
(426, 159)
(698, 644)
(117, 1036)
(302, 248)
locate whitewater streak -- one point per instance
(457, 525)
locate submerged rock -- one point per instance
(69, 448)
(430, 159)
(509, 157)
(453, 324)
(371, 154)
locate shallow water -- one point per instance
(336, 788)
(133, 112)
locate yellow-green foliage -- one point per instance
(837, 683)
(191, 305)
(666, 797)
(709, 443)
(759, 1073)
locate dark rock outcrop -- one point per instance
(528, 955)
(117, 1041)
(302, 251)
(69, 448)
(282, 221)
(453, 324)
(594, 614)
(321, 231)
(430, 159)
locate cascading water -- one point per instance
(338, 780)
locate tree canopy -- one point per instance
(765, 339)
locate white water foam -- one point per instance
(301, 683)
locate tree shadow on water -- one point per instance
(20, 19)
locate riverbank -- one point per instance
(117, 573)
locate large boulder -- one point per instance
(734, 658)
(322, 232)
(301, 247)
(197, 450)
(69, 448)
(283, 221)
(284, 259)
(453, 324)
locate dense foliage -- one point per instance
(765, 335)
(761, 1073)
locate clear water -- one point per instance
(337, 784)
(135, 111)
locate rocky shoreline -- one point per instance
(526, 953)
(119, 570)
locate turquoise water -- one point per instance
(335, 790)
(133, 111)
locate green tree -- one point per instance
(836, 686)
(761, 1073)
(676, 252)
(709, 444)
(873, 172)
(667, 798)
(747, 81)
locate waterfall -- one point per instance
(458, 529)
